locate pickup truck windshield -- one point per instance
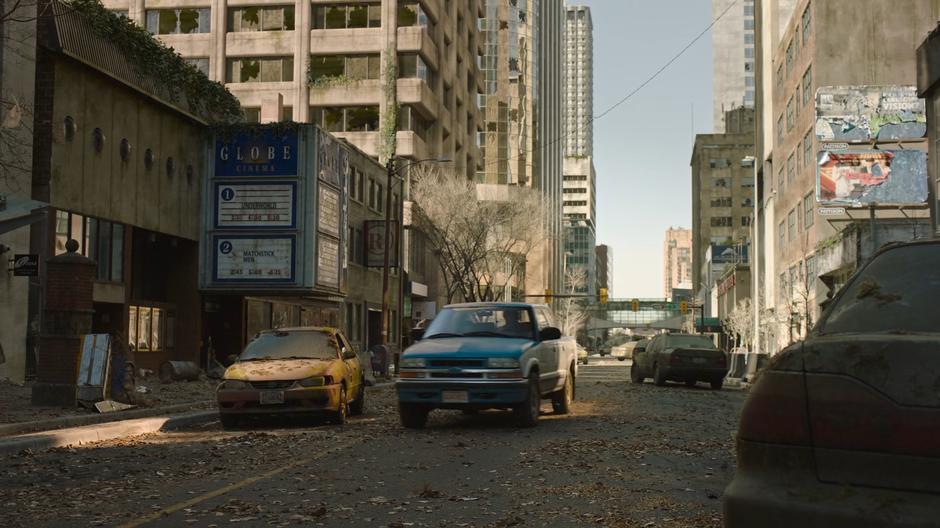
(496, 321)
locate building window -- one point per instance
(251, 115)
(412, 66)
(791, 169)
(259, 69)
(722, 163)
(807, 85)
(201, 64)
(780, 178)
(347, 16)
(791, 225)
(808, 212)
(349, 119)
(806, 23)
(721, 202)
(781, 236)
(280, 18)
(722, 221)
(410, 13)
(780, 130)
(409, 119)
(151, 329)
(808, 157)
(789, 58)
(790, 114)
(780, 77)
(178, 21)
(356, 67)
(745, 221)
(100, 240)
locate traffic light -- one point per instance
(635, 305)
(602, 297)
(548, 295)
(684, 307)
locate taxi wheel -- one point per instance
(229, 422)
(339, 415)
(358, 407)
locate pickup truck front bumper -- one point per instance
(462, 394)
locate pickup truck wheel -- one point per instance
(527, 412)
(561, 400)
(635, 374)
(412, 416)
(658, 378)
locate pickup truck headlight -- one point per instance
(234, 385)
(413, 363)
(506, 363)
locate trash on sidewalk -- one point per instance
(107, 406)
(143, 389)
(179, 371)
(94, 366)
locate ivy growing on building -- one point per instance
(151, 58)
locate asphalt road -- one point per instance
(628, 456)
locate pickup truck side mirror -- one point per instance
(349, 354)
(549, 333)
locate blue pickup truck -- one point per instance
(479, 356)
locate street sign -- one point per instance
(635, 305)
(831, 211)
(26, 265)
(835, 146)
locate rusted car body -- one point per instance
(293, 371)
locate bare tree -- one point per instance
(572, 314)
(482, 235)
(17, 40)
(738, 324)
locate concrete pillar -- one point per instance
(67, 316)
(219, 32)
(303, 24)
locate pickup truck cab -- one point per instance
(479, 356)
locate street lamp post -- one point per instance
(393, 172)
(755, 267)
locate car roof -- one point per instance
(493, 305)
(324, 329)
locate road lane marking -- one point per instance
(170, 510)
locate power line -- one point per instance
(636, 90)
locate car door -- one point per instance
(353, 369)
(873, 376)
(548, 354)
(644, 356)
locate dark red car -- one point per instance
(843, 429)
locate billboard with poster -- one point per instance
(864, 114)
(864, 177)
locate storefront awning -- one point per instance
(19, 212)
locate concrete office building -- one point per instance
(579, 179)
(722, 190)
(733, 58)
(811, 252)
(677, 260)
(522, 105)
(327, 62)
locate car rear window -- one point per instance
(897, 292)
(690, 341)
(307, 344)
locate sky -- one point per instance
(643, 147)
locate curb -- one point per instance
(99, 432)
(12, 429)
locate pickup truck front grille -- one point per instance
(457, 375)
(468, 363)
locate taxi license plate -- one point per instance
(698, 361)
(272, 397)
(454, 397)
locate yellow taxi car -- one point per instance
(308, 370)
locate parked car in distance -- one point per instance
(680, 357)
(619, 352)
(843, 428)
(582, 355)
(630, 348)
(479, 356)
(307, 370)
